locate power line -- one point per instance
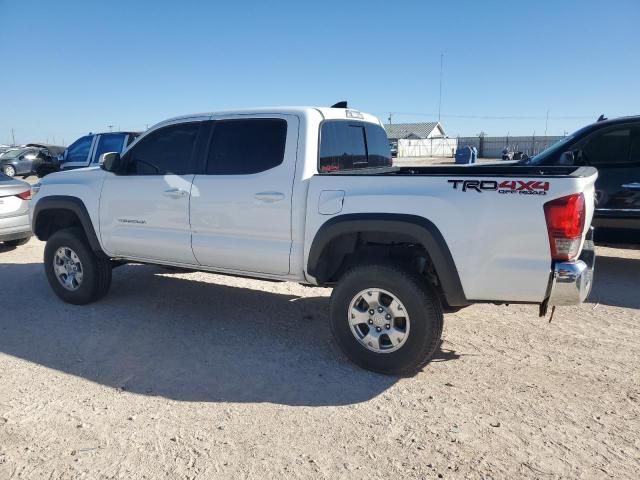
(497, 117)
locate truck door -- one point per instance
(241, 207)
(615, 152)
(144, 209)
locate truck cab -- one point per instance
(613, 147)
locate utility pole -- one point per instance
(440, 99)
(546, 123)
(13, 137)
(111, 128)
(390, 115)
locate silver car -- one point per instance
(15, 228)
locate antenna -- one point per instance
(546, 123)
(440, 100)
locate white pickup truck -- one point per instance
(310, 195)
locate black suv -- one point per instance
(28, 159)
(613, 147)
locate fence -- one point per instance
(491, 147)
(488, 147)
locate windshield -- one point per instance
(11, 154)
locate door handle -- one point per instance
(175, 193)
(269, 197)
(632, 186)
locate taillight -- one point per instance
(565, 223)
(26, 195)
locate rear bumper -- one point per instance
(15, 228)
(571, 281)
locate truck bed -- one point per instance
(474, 171)
(490, 216)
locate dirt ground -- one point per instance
(210, 377)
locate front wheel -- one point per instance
(9, 170)
(386, 318)
(76, 274)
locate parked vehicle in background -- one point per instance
(509, 153)
(393, 146)
(86, 151)
(26, 160)
(309, 195)
(15, 228)
(613, 147)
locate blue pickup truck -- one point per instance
(86, 151)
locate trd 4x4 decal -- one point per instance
(518, 187)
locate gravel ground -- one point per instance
(196, 375)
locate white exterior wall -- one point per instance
(427, 147)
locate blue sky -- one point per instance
(70, 67)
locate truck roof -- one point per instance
(614, 121)
(327, 113)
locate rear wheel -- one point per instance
(76, 274)
(386, 318)
(9, 170)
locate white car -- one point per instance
(15, 228)
(309, 195)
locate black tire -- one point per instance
(9, 170)
(96, 270)
(420, 301)
(16, 243)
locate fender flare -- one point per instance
(73, 204)
(422, 230)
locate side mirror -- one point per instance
(567, 158)
(110, 162)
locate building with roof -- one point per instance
(414, 131)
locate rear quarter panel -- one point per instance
(499, 242)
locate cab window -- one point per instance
(347, 145)
(167, 150)
(619, 146)
(109, 142)
(244, 147)
(79, 150)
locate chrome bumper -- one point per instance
(571, 282)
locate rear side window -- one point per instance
(79, 150)
(109, 142)
(166, 150)
(243, 147)
(346, 145)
